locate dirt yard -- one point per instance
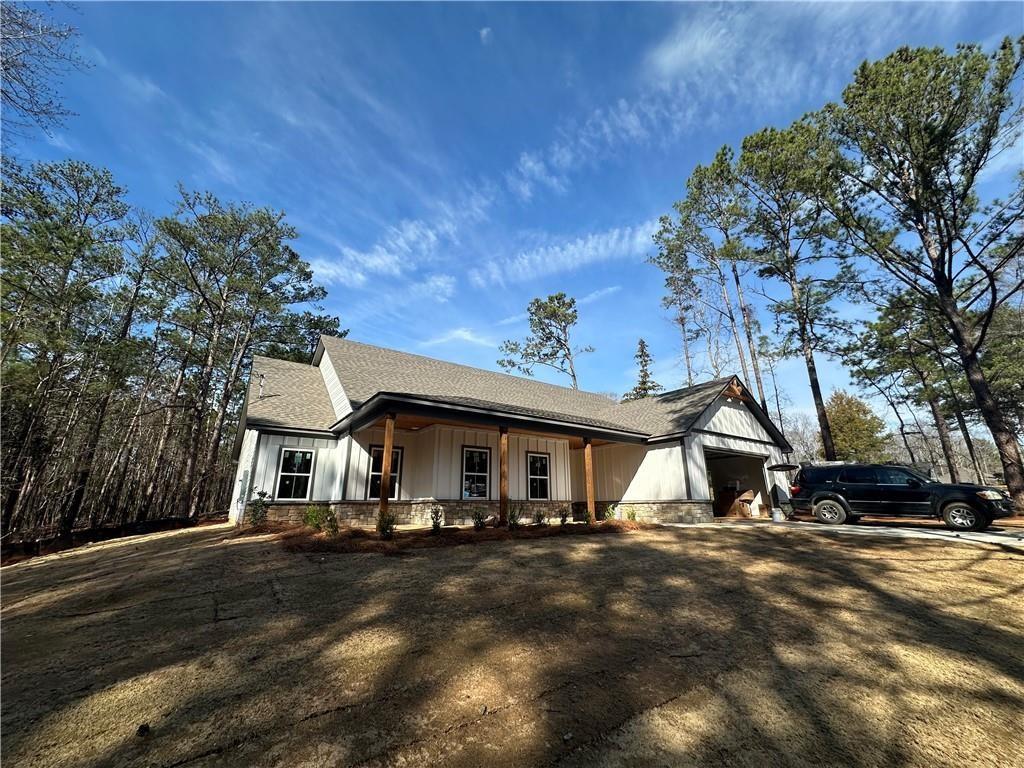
(684, 647)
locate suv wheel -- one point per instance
(961, 516)
(830, 511)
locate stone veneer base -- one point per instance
(650, 511)
(363, 514)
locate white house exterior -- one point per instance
(466, 439)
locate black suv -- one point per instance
(837, 493)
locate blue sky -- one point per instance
(446, 163)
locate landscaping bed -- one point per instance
(308, 539)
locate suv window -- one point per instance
(894, 476)
(816, 475)
(857, 475)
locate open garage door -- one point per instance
(737, 483)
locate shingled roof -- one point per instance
(295, 395)
(364, 370)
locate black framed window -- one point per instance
(476, 473)
(538, 476)
(295, 474)
(377, 465)
(894, 476)
(858, 476)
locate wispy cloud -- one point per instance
(531, 171)
(141, 87)
(216, 162)
(439, 288)
(58, 141)
(599, 294)
(618, 243)
(486, 36)
(513, 319)
(464, 335)
(404, 248)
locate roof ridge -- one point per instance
(528, 379)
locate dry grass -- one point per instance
(699, 647)
(304, 539)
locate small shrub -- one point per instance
(436, 519)
(515, 512)
(540, 517)
(386, 525)
(631, 514)
(609, 512)
(479, 518)
(317, 515)
(256, 512)
(563, 514)
(331, 523)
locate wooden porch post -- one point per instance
(588, 465)
(385, 465)
(502, 475)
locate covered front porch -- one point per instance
(409, 463)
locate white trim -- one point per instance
(462, 489)
(529, 477)
(396, 477)
(312, 469)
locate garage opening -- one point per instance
(737, 484)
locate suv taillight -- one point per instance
(794, 490)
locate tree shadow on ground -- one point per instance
(682, 647)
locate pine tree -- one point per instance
(645, 383)
(858, 432)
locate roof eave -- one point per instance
(381, 402)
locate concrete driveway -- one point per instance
(1011, 535)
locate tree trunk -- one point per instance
(944, 439)
(1002, 436)
(230, 381)
(681, 320)
(748, 326)
(969, 442)
(157, 468)
(827, 444)
(727, 309)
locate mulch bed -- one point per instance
(347, 540)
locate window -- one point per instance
(895, 476)
(815, 475)
(858, 476)
(476, 473)
(538, 473)
(295, 474)
(377, 465)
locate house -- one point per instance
(470, 439)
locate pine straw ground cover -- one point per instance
(305, 539)
(704, 646)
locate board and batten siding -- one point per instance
(737, 431)
(447, 475)
(414, 482)
(433, 462)
(733, 418)
(342, 406)
(632, 473)
(327, 463)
